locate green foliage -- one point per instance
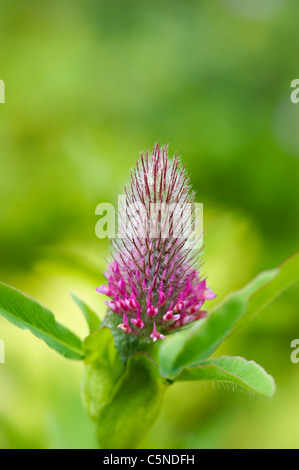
(27, 313)
(102, 371)
(122, 387)
(202, 340)
(91, 317)
(123, 400)
(288, 274)
(233, 370)
(134, 406)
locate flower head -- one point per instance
(153, 280)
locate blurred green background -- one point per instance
(88, 86)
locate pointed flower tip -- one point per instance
(125, 326)
(152, 281)
(137, 321)
(103, 289)
(155, 335)
(208, 294)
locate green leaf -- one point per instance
(91, 317)
(103, 368)
(134, 407)
(234, 370)
(288, 274)
(27, 313)
(201, 340)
